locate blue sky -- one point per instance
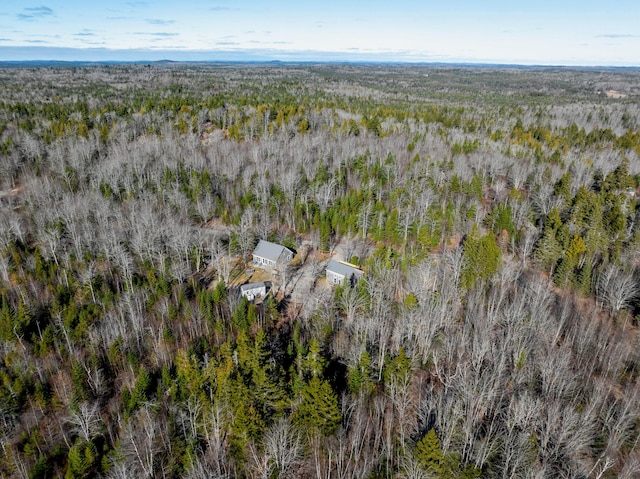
(561, 32)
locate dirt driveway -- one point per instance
(304, 281)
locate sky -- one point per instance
(540, 32)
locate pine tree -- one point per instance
(563, 186)
(239, 317)
(267, 394)
(325, 234)
(548, 250)
(391, 227)
(141, 390)
(219, 293)
(359, 375)
(481, 257)
(563, 271)
(428, 453)
(398, 370)
(189, 377)
(615, 220)
(319, 407)
(501, 218)
(584, 278)
(6, 321)
(270, 308)
(313, 364)
(23, 316)
(81, 460)
(244, 353)
(554, 221)
(79, 379)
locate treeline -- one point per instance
(494, 333)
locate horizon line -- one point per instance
(480, 64)
(42, 54)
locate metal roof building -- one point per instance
(272, 255)
(339, 271)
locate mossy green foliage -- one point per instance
(481, 258)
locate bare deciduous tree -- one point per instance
(282, 446)
(86, 421)
(616, 289)
(144, 436)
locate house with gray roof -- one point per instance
(338, 272)
(252, 291)
(271, 255)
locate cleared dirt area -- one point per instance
(303, 279)
(249, 275)
(616, 95)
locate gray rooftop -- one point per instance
(250, 286)
(343, 269)
(271, 251)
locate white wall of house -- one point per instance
(264, 261)
(254, 293)
(335, 278)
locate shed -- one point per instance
(253, 290)
(339, 271)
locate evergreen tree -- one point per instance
(23, 318)
(481, 257)
(584, 278)
(270, 308)
(359, 375)
(81, 460)
(6, 321)
(239, 318)
(313, 365)
(615, 220)
(501, 219)
(548, 250)
(428, 453)
(563, 186)
(220, 292)
(325, 235)
(398, 370)
(319, 407)
(563, 271)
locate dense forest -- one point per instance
(494, 212)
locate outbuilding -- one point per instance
(339, 271)
(252, 291)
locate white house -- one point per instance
(271, 255)
(252, 291)
(339, 271)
